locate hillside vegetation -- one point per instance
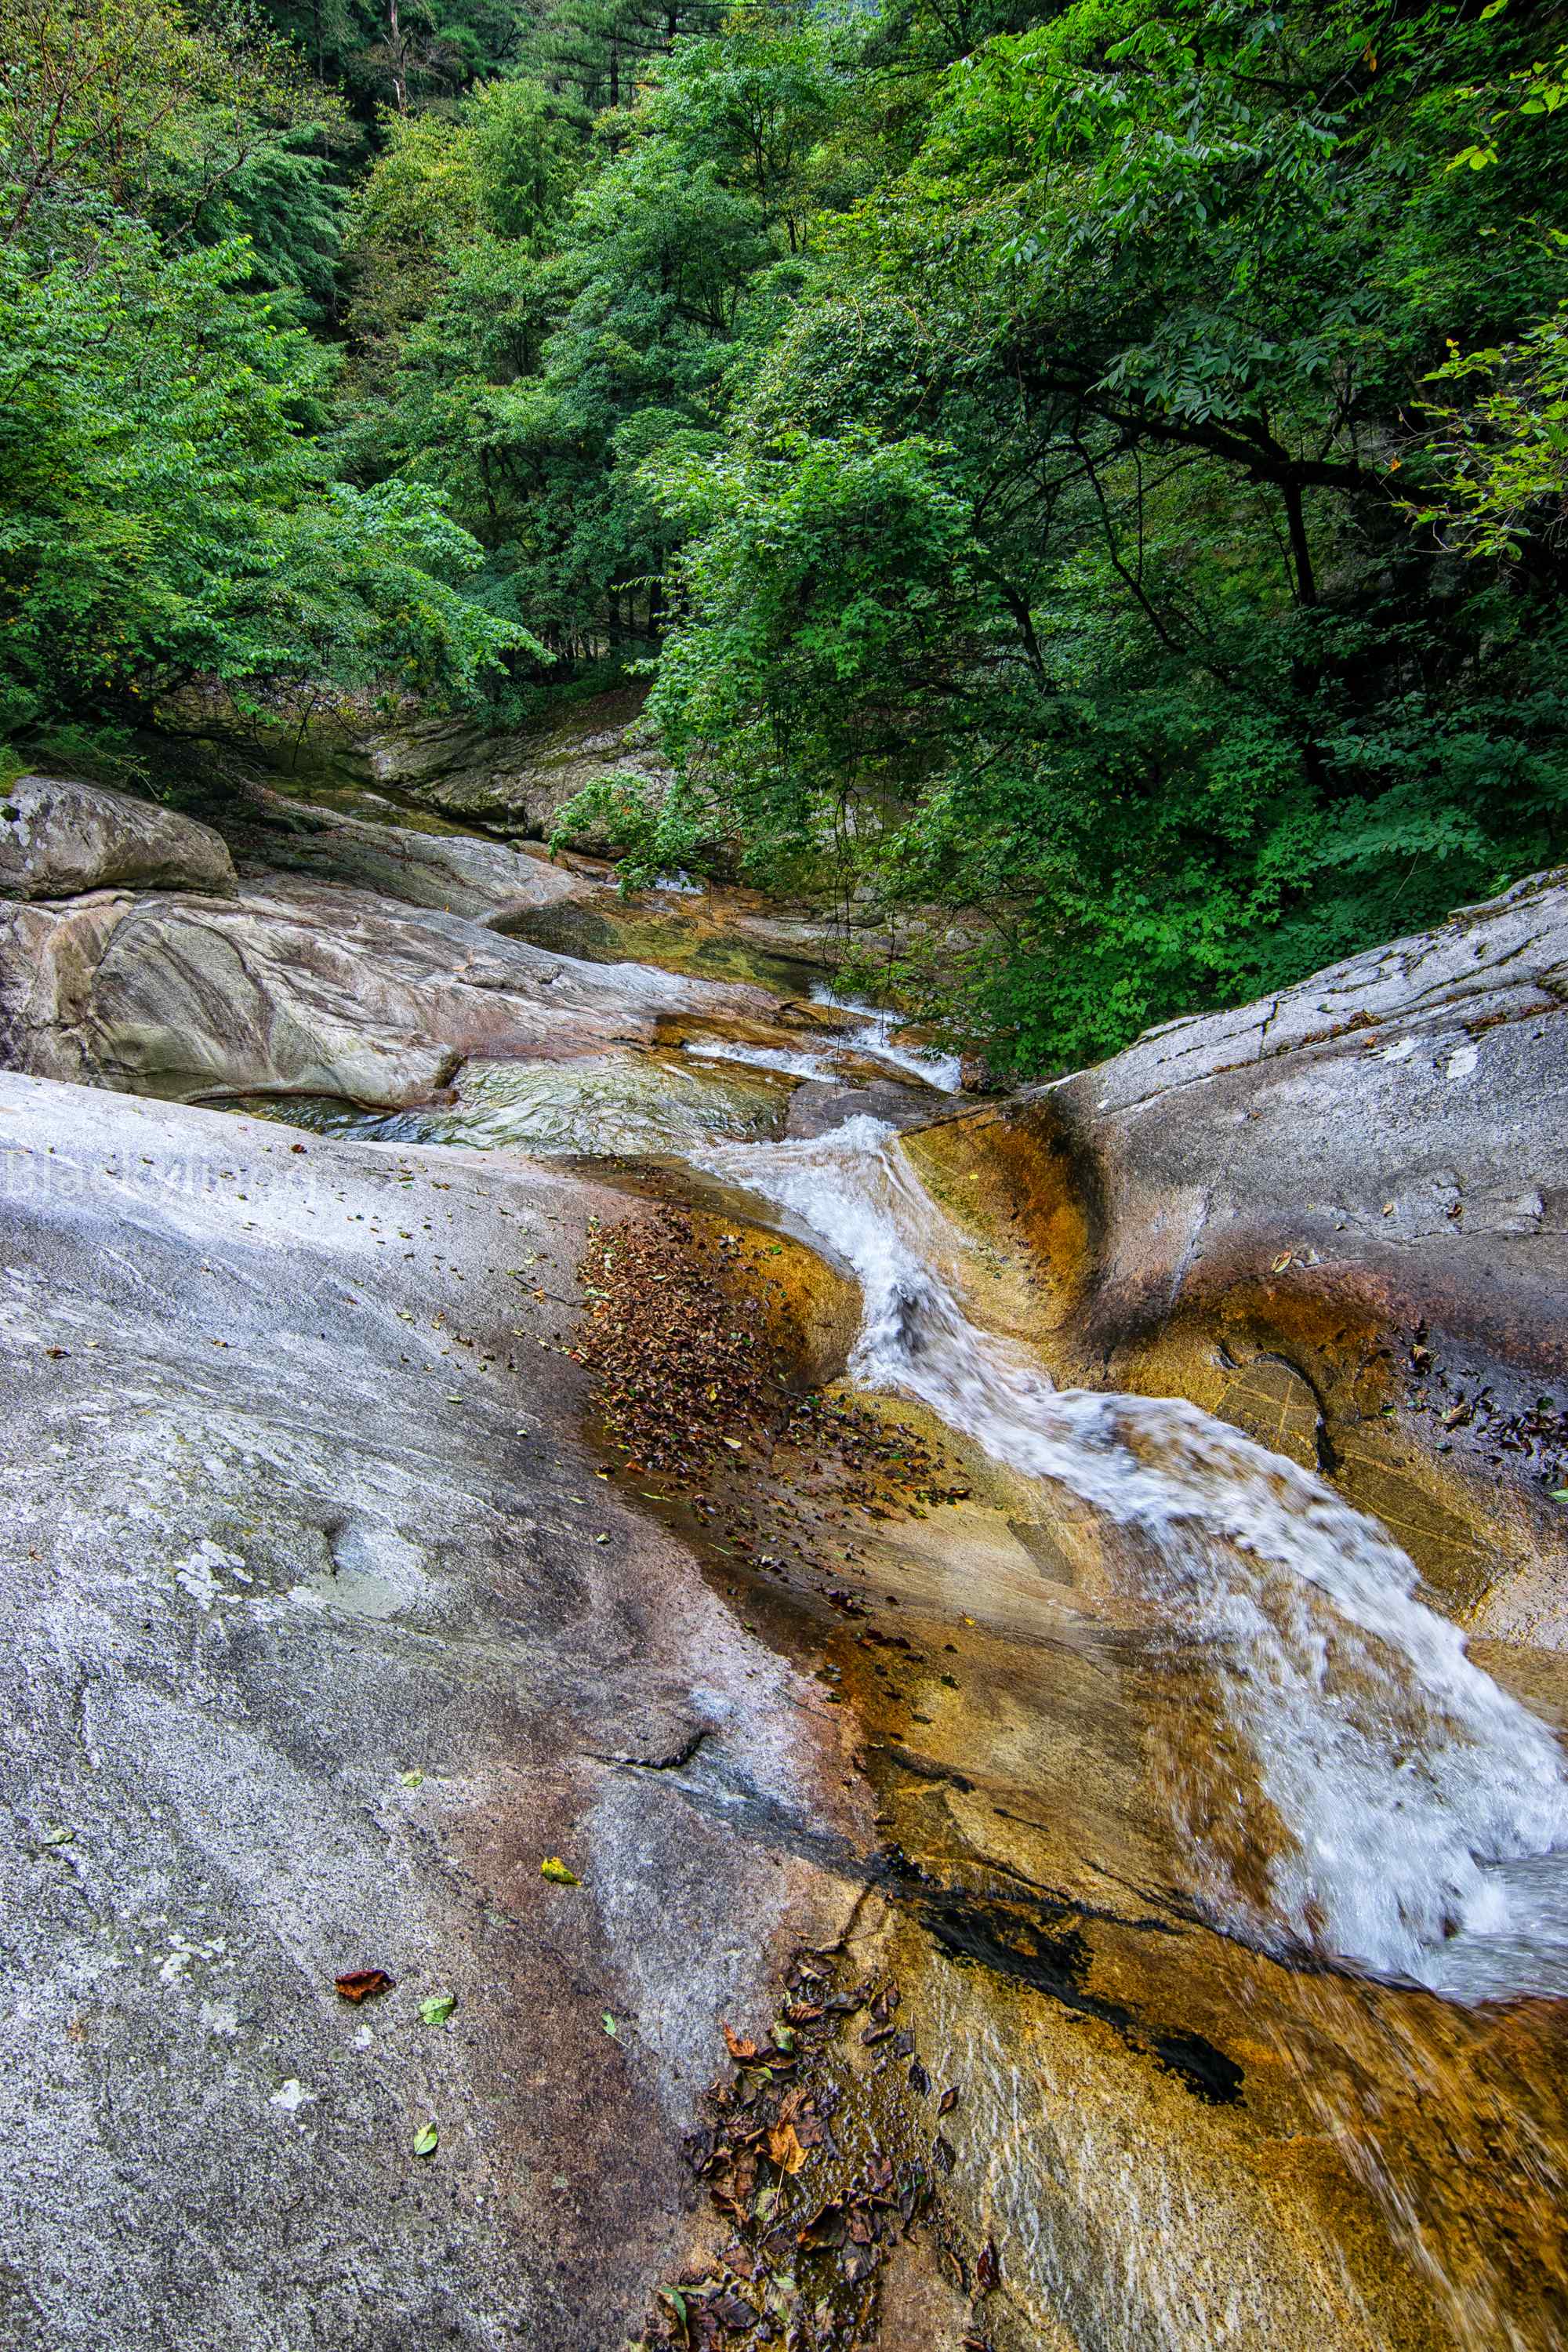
(1096, 471)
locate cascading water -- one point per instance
(1418, 1813)
(1375, 1798)
(877, 1035)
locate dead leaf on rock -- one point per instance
(740, 2049)
(363, 1984)
(988, 2268)
(734, 2314)
(785, 2147)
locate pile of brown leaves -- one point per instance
(695, 1384)
(816, 2205)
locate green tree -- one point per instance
(1185, 706)
(164, 519)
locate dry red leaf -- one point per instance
(363, 1984)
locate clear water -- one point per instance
(607, 1106)
(1417, 1814)
(1410, 1815)
(875, 1036)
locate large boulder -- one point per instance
(302, 987)
(319, 1637)
(1338, 1217)
(429, 864)
(60, 839)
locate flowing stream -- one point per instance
(1425, 1810)
(1248, 1720)
(1411, 1816)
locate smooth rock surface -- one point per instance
(58, 839)
(319, 1635)
(303, 987)
(456, 872)
(1363, 1181)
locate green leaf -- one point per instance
(426, 2140)
(610, 2025)
(554, 1868)
(438, 2008)
(57, 1837)
(411, 1779)
(1560, 1494)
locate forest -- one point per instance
(1092, 479)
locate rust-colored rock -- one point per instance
(1338, 1217)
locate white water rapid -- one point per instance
(873, 1039)
(1418, 1814)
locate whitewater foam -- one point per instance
(1425, 1810)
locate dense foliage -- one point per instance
(169, 519)
(1088, 483)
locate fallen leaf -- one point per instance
(610, 2026)
(734, 2315)
(785, 2147)
(363, 1984)
(554, 1868)
(411, 1779)
(676, 2302)
(57, 1837)
(426, 2140)
(1283, 1261)
(438, 2008)
(948, 2101)
(988, 2268)
(738, 2048)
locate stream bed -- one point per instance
(1232, 1887)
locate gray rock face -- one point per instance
(58, 840)
(453, 871)
(511, 781)
(319, 1636)
(1365, 1178)
(1401, 1110)
(302, 987)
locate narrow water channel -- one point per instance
(1249, 1886)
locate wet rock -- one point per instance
(815, 1109)
(319, 1637)
(1270, 1400)
(1360, 1180)
(302, 987)
(60, 839)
